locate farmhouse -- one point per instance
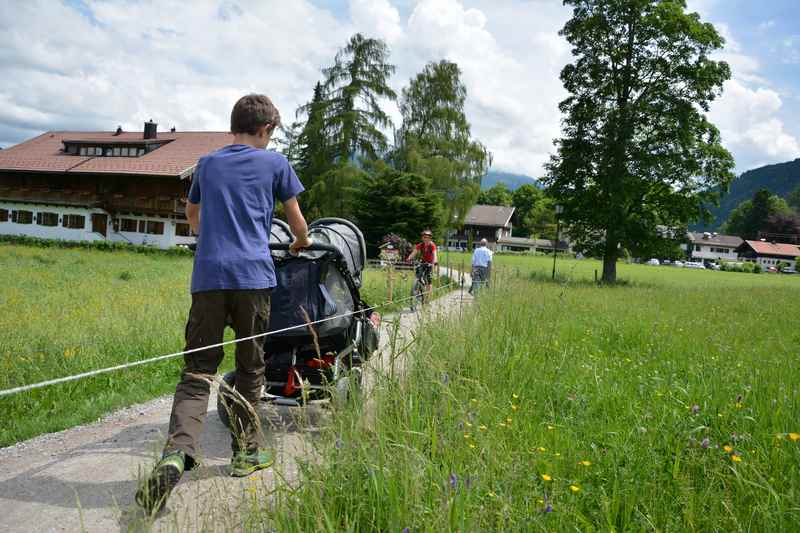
(519, 244)
(93, 186)
(707, 246)
(769, 254)
(490, 222)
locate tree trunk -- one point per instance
(610, 261)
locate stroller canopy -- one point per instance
(341, 233)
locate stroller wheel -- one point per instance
(222, 408)
(348, 386)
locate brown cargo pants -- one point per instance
(248, 310)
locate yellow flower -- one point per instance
(541, 449)
(728, 448)
(557, 454)
(516, 397)
(574, 488)
(468, 424)
(794, 436)
(502, 424)
(739, 405)
(551, 428)
(585, 463)
(467, 435)
(482, 427)
(474, 400)
(508, 420)
(546, 477)
(736, 458)
(514, 407)
(540, 500)
(471, 445)
(253, 478)
(491, 494)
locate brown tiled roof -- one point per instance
(772, 248)
(176, 158)
(730, 241)
(497, 216)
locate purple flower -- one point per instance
(339, 444)
(548, 508)
(739, 399)
(453, 481)
(704, 443)
(695, 409)
(406, 530)
(445, 378)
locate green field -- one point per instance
(67, 311)
(669, 403)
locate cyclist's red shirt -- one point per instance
(426, 252)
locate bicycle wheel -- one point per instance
(417, 294)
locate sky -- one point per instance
(93, 65)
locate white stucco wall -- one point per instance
(166, 240)
(706, 253)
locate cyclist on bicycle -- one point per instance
(426, 250)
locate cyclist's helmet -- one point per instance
(428, 233)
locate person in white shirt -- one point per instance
(481, 267)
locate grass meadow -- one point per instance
(669, 403)
(67, 311)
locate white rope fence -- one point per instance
(24, 388)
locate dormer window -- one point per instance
(113, 148)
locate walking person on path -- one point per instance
(481, 267)
(230, 207)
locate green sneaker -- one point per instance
(245, 463)
(153, 494)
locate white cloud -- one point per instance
(377, 17)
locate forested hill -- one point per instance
(512, 181)
(779, 179)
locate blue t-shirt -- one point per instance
(236, 187)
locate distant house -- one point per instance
(708, 246)
(519, 244)
(115, 186)
(769, 254)
(490, 222)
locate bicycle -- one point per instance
(423, 274)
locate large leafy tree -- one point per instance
(435, 138)
(793, 199)
(754, 216)
(496, 195)
(395, 202)
(637, 150)
(354, 87)
(314, 150)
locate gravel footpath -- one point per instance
(84, 478)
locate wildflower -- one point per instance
(339, 444)
(474, 400)
(585, 463)
(548, 508)
(453, 479)
(514, 407)
(482, 427)
(515, 396)
(406, 530)
(736, 458)
(253, 478)
(704, 443)
(541, 449)
(508, 420)
(695, 409)
(540, 500)
(491, 494)
(467, 436)
(546, 477)
(574, 488)
(445, 378)
(794, 436)
(468, 424)
(550, 428)
(502, 424)
(471, 445)
(739, 405)
(557, 454)
(728, 448)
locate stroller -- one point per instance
(321, 283)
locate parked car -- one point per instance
(653, 262)
(694, 264)
(788, 270)
(678, 264)
(714, 266)
(772, 270)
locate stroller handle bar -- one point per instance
(315, 246)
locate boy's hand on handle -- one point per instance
(299, 243)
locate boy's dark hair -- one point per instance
(253, 111)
